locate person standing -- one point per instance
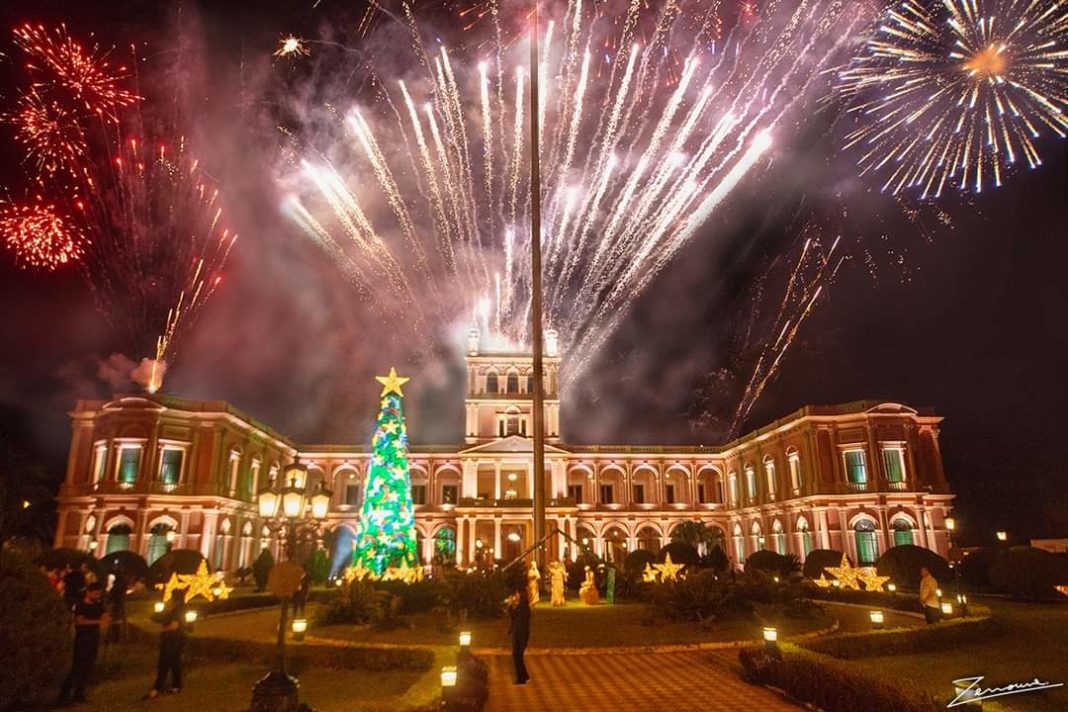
(300, 596)
(519, 633)
(932, 608)
(74, 585)
(89, 617)
(171, 643)
(118, 607)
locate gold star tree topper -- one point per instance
(391, 383)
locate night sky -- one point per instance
(967, 318)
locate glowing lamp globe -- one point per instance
(296, 476)
(171, 535)
(268, 501)
(891, 587)
(951, 524)
(191, 618)
(465, 639)
(1003, 536)
(771, 635)
(947, 609)
(448, 676)
(320, 503)
(292, 502)
(300, 627)
(158, 606)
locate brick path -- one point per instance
(651, 682)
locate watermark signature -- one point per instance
(969, 690)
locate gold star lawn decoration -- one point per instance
(649, 575)
(847, 575)
(669, 571)
(392, 383)
(871, 579)
(202, 583)
(822, 582)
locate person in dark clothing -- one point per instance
(74, 586)
(89, 617)
(118, 607)
(300, 597)
(519, 633)
(171, 643)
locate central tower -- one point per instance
(500, 395)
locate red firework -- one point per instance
(61, 63)
(40, 237)
(50, 132)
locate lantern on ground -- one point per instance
(158, 606)
(448, 677)
(771, 638)
(465, 639)
(876, 618)
(947, 608)
(300, 627)
(191, 617)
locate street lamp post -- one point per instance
(951, 528)
(289, 511)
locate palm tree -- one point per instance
(695, 533)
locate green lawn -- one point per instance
(1030, 643)
(128, 671)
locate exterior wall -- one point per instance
(629, 497)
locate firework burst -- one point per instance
(39, 237)
(955, 93)
(291, 47)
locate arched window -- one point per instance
(867, 548)
(118, 538)
(739, 544)
(750, 484)
(769, 477)
(512, 382)
(780, 537)
(445, 543)
(157, 542)
(793, 458)
(902, 532)
(491, 383)
(732, 487)
(806, 536)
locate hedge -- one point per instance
(827, 683)
(902, 564)
(817, 561)
(899, 641)
(895, 601)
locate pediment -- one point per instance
(510, 444)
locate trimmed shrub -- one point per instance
(975, 568)
(175, 561)
(635, 562)
(699, 597)
(827, 683)
(681, 553)
(901, 641)
(819, 559)
(34, 640)
(774, 564)
(261, 569)
(896, 601)
(716, 559)
(1027, 572)
(902, 564)
(133, 566)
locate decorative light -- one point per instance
(947, 608)
(585, 541)
(191, 618)
(479, 544)
(836, 583)
(292, 500)
(465, 639)
(320, 502)
(951, 524)
(296, 475)
(962, 599)
(892, 588)
(876, 619)
(448, 676)
(158, 606)
(512, 477)
(513, 536)
(938, 592)
(771, 638)
(171, 535)
(268, 501)
(1002, 535)
(775, 579)
(300, 627)
(92, 545)
(216, 591)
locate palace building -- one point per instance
(859, 477)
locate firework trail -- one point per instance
(653, 119)
(124, 200)
(954, 94)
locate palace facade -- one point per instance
(859, 477)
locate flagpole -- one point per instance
(536, 296)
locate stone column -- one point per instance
(821, 529)
(496, 537)
(473, 535)
(461, 523)
(497, 478)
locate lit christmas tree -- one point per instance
(385, 544)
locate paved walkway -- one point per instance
(652, 682)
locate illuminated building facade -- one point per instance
(859, 477)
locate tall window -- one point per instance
(512, 383)
(118, 538)
(129, 463)
(701, 495)
(100, 462)
(418, 494)
(794, 459)
(895, 464)
(717, 490)
(769, 476)
(157, 543)
(750, 483)
(606, 494)
(732, 487)
(450, 494)
(575, 493)
(491, 383)
(353, 492)
(902, 532)
(170, 466)
(512, 425)
(867, 549)
(739, 546)
(254, 477)
(669, 493)
(445, 542)
(639, 494)
(780, 537)
(806, 537)
(235, 467)
(856, 467)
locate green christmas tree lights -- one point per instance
(385, 546)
